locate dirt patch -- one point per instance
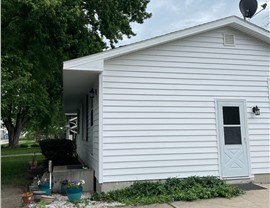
(10, 196)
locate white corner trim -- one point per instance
(218, 140)
(247, 137)
(100, 92)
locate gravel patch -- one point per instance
(85, 202)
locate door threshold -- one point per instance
(238, 180)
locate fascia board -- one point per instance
(76, 64)
(80, 69)
(252, 30)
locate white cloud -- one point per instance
(189, 2)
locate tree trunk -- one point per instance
(10, 136)
(14, 141)
(13, 132)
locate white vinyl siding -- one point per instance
(159, 106)
(88, 151)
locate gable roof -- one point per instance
(96, 61)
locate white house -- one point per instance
(176, 105)
(3, 132)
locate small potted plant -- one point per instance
(74, 190)
(44, 185)
(64, 184)
(27, 197)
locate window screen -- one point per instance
(232, 135)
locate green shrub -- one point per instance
(60, 151)
(24, 145)
(4, 146)
(174, 189)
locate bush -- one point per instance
(60, 151)
(24, 145)
(4, 146)
(173, 189)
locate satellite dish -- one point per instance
(248, 7)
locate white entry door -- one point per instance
(232, 139)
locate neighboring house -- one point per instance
(177, 105)
(3, 132)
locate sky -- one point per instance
(173, 15)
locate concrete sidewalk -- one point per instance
(251, 199)
(23, 154)
(10, 196)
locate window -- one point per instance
(91, 127)
(92, 113)
(84, 115)
(78, 122)
(232, 126)
(87, 117)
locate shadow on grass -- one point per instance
(15, 170)
(9, 151)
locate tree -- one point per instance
(37, 36)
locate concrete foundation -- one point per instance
(238, 180)
(73, 172)
(262, 178)
(105, 187)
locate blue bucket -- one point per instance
(45, 187)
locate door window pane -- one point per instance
(232, 135)
(231, 115)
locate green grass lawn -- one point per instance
(8, 151)
(27, 141)
(26, 146)
(14, 170)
